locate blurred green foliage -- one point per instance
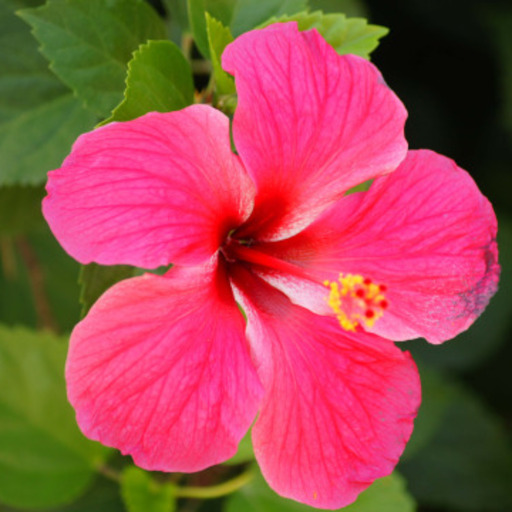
(89, 43)
(39, 116)
(41, 448)
(385, 495)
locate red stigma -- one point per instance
(382, 287)
(356, 300)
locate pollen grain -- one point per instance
(356, 300)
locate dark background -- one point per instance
(451, 64)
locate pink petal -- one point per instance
(309, 124)
(338, 406)
(160, 369)
(306, 251)
(159, 189)
(425, 231)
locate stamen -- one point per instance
(356, 300)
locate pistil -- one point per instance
(236, 251)
(356, 300)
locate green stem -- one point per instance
(8, 258)
(36, 277)
(215, 491)
(211, 492)
(108, 472)
(187, 42)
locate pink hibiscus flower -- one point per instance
(167, 369)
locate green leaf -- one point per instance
(385, 495)
(347, 7)
(248, 14)
(221, 10)
(60, 273)
(467, 463)
(177, 19)
(95, 279)
(44, 459)
(143, 494)
(219, 37)
(362, 187)
(102, 496)
(39, 117)
(239, 15)
(178, 10)
(38, 282)
(345, 35)
(20, 209)
(89, 43)
(159, 79)
(20, 4)
(37, 140)
(16, 299)
(436, 397)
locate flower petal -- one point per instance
(160, 370)
(338, 406)
(425, 231)
(159, 189)
(309, 124)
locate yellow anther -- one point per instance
(355, 300)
